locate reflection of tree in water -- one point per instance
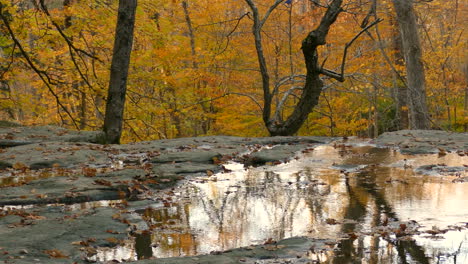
(281, 196)
(361, 191)
(246, 208)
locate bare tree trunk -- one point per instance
(419, 114)
(399, 86)
(119, 71)
(465, 114)
(313, 84)
(191, 34)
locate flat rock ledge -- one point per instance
(424, 141)
(46, 165)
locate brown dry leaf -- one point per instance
(122, 194)
(148, 166)
(103, 182)
(269, 241)
(20, 166)
(55, 253)
(80, 243)
(90, 251)
(35, 217)
(116, 216)
(331, 221)
(112, 240)
(272, 247)
(112, 231)
(89, 172)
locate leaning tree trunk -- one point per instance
(119, 71)
(419, 114)
(313, 85)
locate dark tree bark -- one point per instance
(419, 114)
(313, 85)
(113, 119)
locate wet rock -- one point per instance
(5, 165)
(423, 141)
(61, 231)
(184, 168)
(63, 154)
(187, 156)
(22, 135)
(291, 250)
(279, 153)
(442, 170)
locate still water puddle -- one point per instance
(379, 205)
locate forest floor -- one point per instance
(50, 177)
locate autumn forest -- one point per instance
(196, 66)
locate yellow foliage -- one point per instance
(215, 88)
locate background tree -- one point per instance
(119, 71)
(207, 82)
(419, 114)
(313, 86)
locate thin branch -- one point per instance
(42, 74)
(279, 107)
(268, 13)
(249, 96)
(285, 80)
(228, 36)
(384, 54)
(65, 37)
(351, 42)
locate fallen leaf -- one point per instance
(89, 172)
(20, 166)
(55, 253)
(103, 182)
(112, 240)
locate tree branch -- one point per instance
(42, 74)
(279, 107)
(351, 42)
(270, 10)
(340, 76)
(64, 36)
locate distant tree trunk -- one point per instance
(399, 86)
(113, 119)
(419, 114)
(465, 114)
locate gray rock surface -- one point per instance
(47, 165)
(424, 141)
